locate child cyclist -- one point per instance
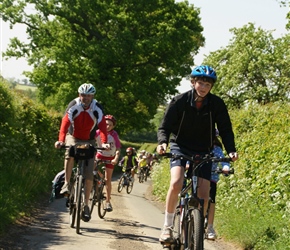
(189, 126)
(111, 155)
(129, 162)
(218, 152)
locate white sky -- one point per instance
(217, 17)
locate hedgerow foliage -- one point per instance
(28, 160)
(257, 196)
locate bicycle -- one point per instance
(127, 181)
(97, 195)
(75, 200)
(142, 175)
(188, 225)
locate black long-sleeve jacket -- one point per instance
(194, 129)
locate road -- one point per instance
(134, 224)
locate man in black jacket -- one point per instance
(189, 125)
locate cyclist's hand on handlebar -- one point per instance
(106, 146)
(59, 144)
(234, 156)
(161, 149)
(226, 170)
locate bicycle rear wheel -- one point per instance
(195, 230)
(79, 202)
(130, 185)
(121, 183)
(102, 202)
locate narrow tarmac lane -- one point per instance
(134, 224)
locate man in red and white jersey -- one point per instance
(83, 116)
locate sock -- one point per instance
(210, 226)
(168, 219)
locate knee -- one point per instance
(176, 186)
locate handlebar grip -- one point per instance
(167, 155)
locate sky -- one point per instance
(217, 17)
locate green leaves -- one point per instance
(252, 68)
(135, 53)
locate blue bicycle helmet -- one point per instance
(204, 71)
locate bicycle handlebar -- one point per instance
(88, 145)
(197, 158)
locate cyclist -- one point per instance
(129, 162)
(111, 155)
(82, 118)
(141, 154)
(190, 119)
(218, 152)
(142, 163)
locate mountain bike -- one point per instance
(97, 195)
(82, 153)
(188, 226)
(127, 181)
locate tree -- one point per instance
(134, 52)
(253, 67)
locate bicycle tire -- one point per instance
(121, 184)
(141, 176)
(79, 202)
(195, 230)
(146, 175)
(130, 185)
(93, 197)
(101, 202)
(72, 206)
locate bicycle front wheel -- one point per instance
(141, 176)
(121, 183)
(79, 202)
(195, 230)
(102, 202)
(130, 185)
(93, 197)
(72, 205)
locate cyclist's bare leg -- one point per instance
(176, 182)
(132, 172)
(203, 192)
(108, 177)
(211, 214)
(68, 166)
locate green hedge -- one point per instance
(28, 160)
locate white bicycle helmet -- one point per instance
(87, 89)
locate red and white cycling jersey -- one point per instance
(82, 123)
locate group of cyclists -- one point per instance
(189, 125)
(134, 161)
